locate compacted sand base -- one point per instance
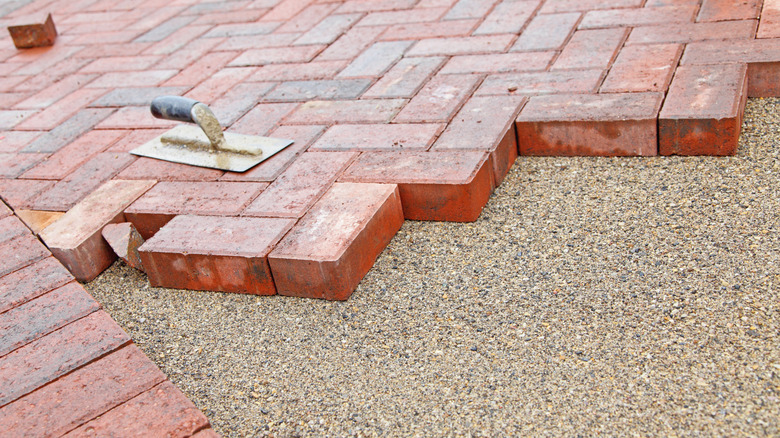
(593, 296)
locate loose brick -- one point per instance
(322, 89)
(277, 55)
(591, 49)
(643, 68)
(722, 10)
(227, 254)
(407, 16)
(11, 227)
(435, 186)
(690, 32)
(298, 187)
(330, 250)
(54, 92)
(43, 315)
(769, 25)
(376, 59)
(298, 72)
(19, 192)
(202, 69)
(547, 32)
(322, 112)
(438, 101)
(328, 30)
(44, 360)
(268, 170)
(37, 220)
(498, 63)
(470, 9)
(586, 5)
(75, 238)
(638, 16)
(394, 136)
(70, 157)
(168, 199)
(81, 182)
(509, 16)
(486, 124)
(31, 282)
(135, 96)
(702, 113)
(620, 124)
(262, 118)
(421, 31)
(462, 46)
(565, 81)
(68, 131)
(82, 395)
(124, 240)
(162, 410)
(13, 165)
(405, 78)
(34, 35)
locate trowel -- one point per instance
(205, 145)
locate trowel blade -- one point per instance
(230, 160)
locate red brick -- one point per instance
(328, 29)
(160, 170)
(11, 227)
(37, 220)
(374, 6)
(418, 136)
(12, 118)
(31, 281)
(349, 45)
(620, 124)
(160, 411)
(547, 32)
(421, 31)
(172, 35)
(643, 68)
(277, 55)
(591, 49)
(243, 16)
(206, 433)
(587, 5)
(44, 360)
(5, 211)
(509, 16)
(702, 113)
(110, 64)
(761, 55)
(27, 36)
(762, 79)
(40, 60)
(7, 100)
(135, 96)
(298, 72)
(385, 18)
(227, 254)
(330, 250)
(486, 124)
(241, 29)
(268, 170)
(298, 187)
(37, 81)
(188, 54)
(439, 99)
(112, 40)
(68, 131)
(319, 89)
(285, 10)
(202, 69)
(219, 83)
(638, 16)
(690, 32)
(18, 192)
(43, 315)
(81, 182)
(131, 117)
(262, 118)
(13, 141)
(722, 10)
(256, 41)
(470, 9)
(435, 186)
(13, 165)
(82, 395)
(75, 238)
(376, 59)
(498, 63)
(769, 25)
(168, 199)
(135, 138)
(124, 240)
(345, 111)
(146, 78)
(70, 157)
(51, 94)
(462, 46)
(405, 78)
(565, 81)
(237, 101)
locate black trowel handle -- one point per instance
(174, 108)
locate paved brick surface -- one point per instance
(435, 99)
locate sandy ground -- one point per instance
(594, 296)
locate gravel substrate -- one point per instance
(594, 296)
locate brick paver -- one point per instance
(398, 108)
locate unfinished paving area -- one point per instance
(400, 109)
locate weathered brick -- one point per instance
(230, 17)
(374, 6)
(81, 182)
(586, 5)
(75, 238)
(619, 124)
(470, 9)
(69, 130)
(322, 112)
(547, 32)
(702, 113)
(394, 136)
(300, 185)
(11, 227)
(227, 254)
(242, 29)
(498, 63)
(376, 59)
(416, 15)
(14, 164)
(438, 101)
(349, 45)
(690, 32)
(44, 58)
(81, 395)
(160, 411)
(298, 72)
(44, 360)
(320, 89)
(124, 240)
(722, 10)
(19, 192)
(565, 81)
(276, 55)
(420, 31)
(27, 36)
(13, 141)
(160, 170)
(168, 199)
(405, 78)
(330, 250)
(70, 157)
(37, 220)
(31, 281)
(41, 316)
(262, 118)
(591, 49)
(638, 16)
(769, 25)
(647, 67)
(329, 29)
(12, 118)
(509, 16)
(461, 46)
(436, 186)
(55, 114)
